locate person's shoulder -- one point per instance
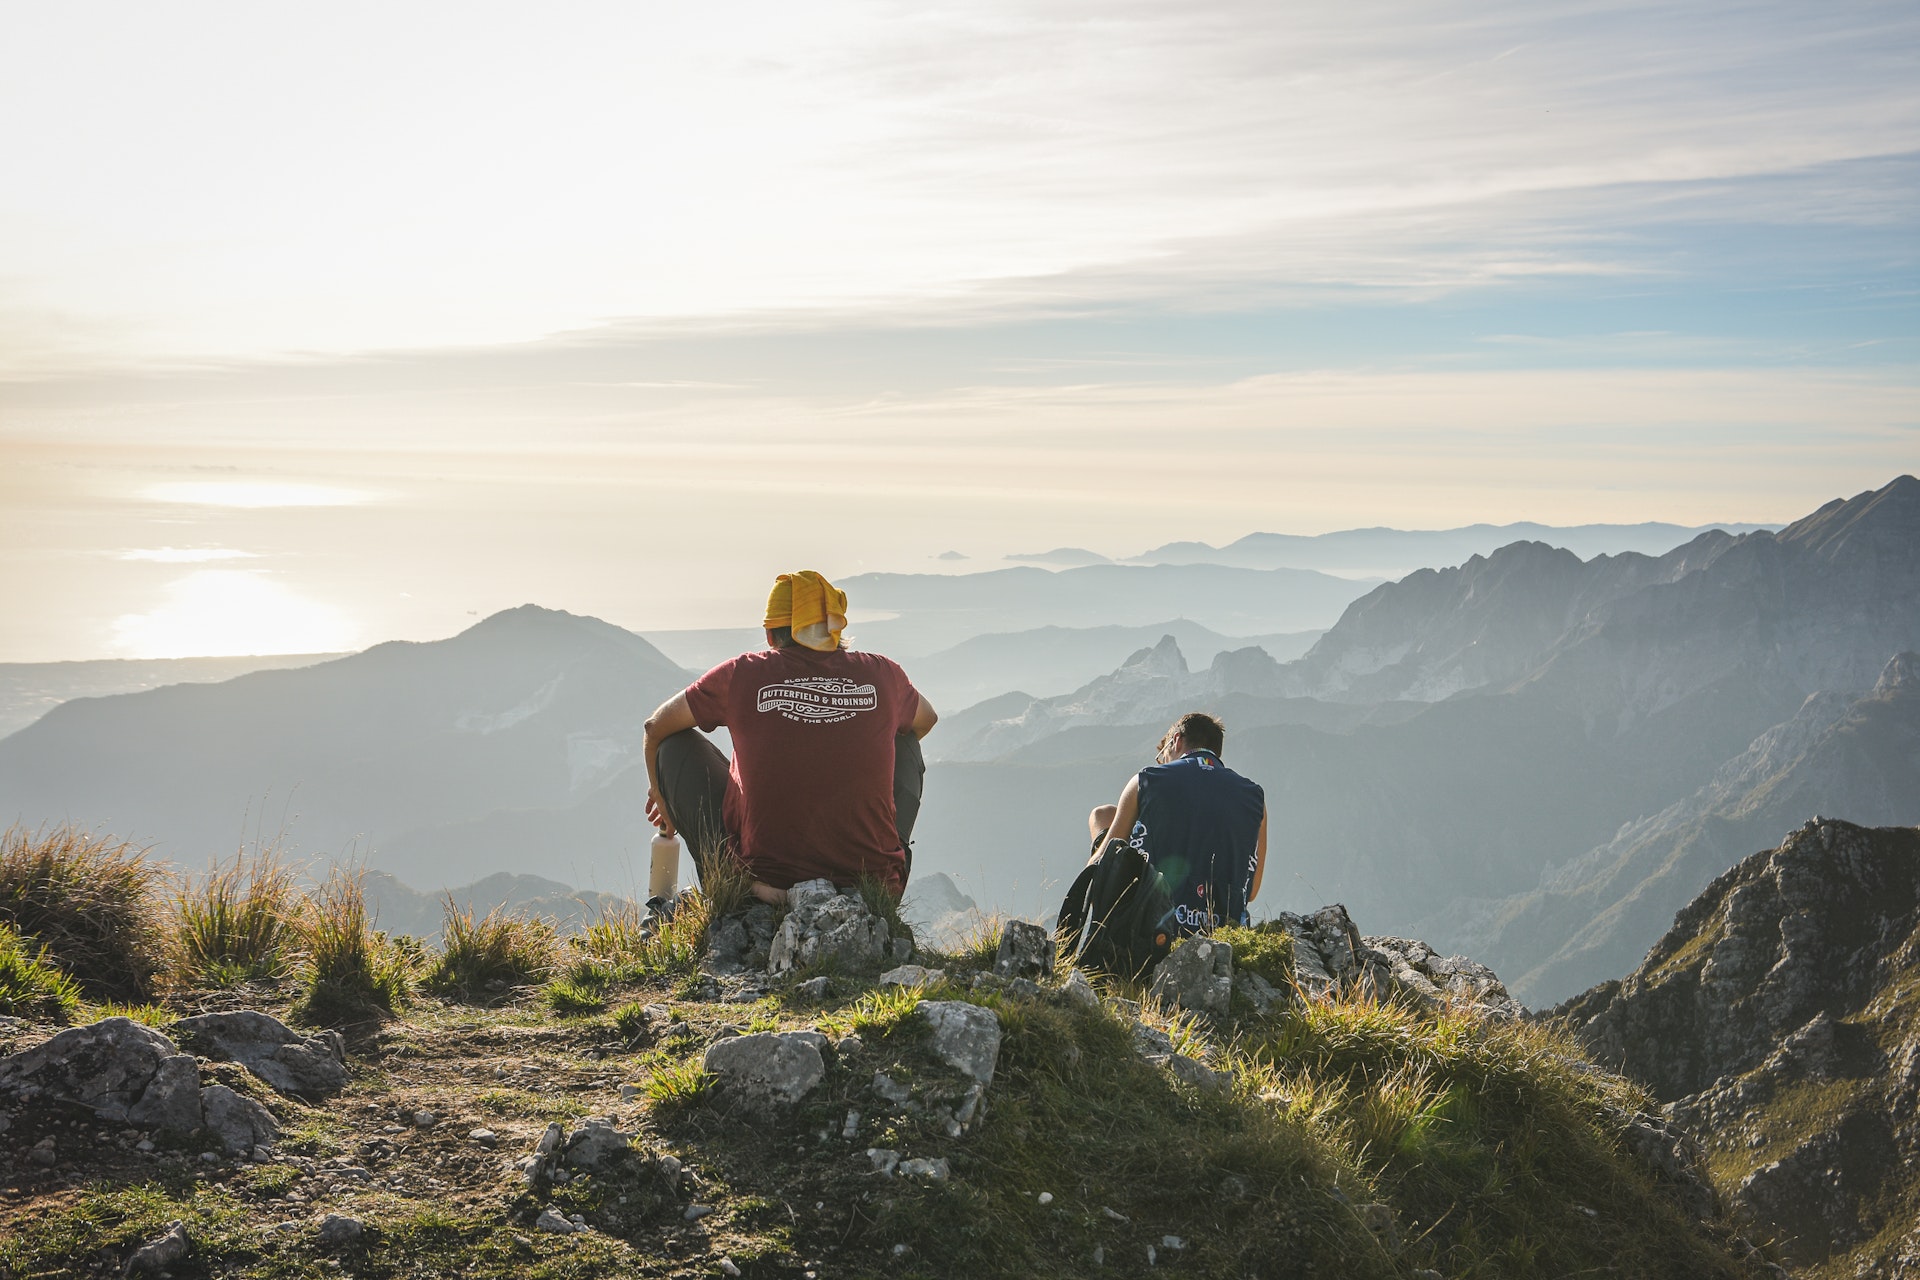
(867, 660)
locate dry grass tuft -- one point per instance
(237, 923)
(88, 901)
(351, 972)
(485, 956)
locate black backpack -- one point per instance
(1118, 916)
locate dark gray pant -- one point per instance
(693, 783)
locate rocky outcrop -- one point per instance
(1775, 1021)
(1330, 955)
(125, 1071)
(825, 925)
(310, 1067)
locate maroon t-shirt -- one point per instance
(811, 795)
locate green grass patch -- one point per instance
(1265, 949)
(31, 985)
(569, 999)
(236, 924)
(674, 1087)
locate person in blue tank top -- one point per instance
(1200, 824)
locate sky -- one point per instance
(322, 325)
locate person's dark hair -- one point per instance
(779, 637)
(1201, 731)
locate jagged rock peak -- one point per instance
(1163, 658)
(1902, 675)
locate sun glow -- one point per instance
(217, 613)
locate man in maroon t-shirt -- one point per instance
(826, 771)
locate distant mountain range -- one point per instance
(1527, 756)
(1505, 718)
(28, 690)
(1394, 552)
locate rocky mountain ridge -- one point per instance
(1779, 1019)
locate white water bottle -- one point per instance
(663, 877)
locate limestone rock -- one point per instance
(157, 1255)
(769, 1070)
(309, 1066)
(1197, 975)
(550, 1221)
(1260, 995)
(1198, 1074)
(911, 975)
(595, 1145)
(1077, 991)
(172, 1098)
(1026, 951)
(823, 924)
(965, 1036)
(338, 1229)
(237, 1121)
(1414, 970)
(739, 942)
(109, 1066)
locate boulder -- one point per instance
(1260, 995)
(823, 924)
(237, 1121)
(595, 1145)
(109, 1066)
(1026, 951)
(308, 1066)
(767, 1071)
(1197, 975)
(1077, 991)
(965, 1036)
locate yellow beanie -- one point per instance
(812, 607)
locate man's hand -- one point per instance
(657, 813)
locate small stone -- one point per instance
(261, 1155)
(1152, 1257)
(852, 1126)
(965, 1036)
(816, 990)
(391, 1128)
(849, 1044)
(336, 1230)
(1112, 1215)
(885, 1160)
(1173, 1244)
(936, 1170)
(1077, 991)
(1026, 951)
(912, 975)
(159, 1254)
(671, 1166)
(1046, 1197)
(1099, 1256)
(629, 1092)
(145, 1144)
(727, 1267)
(208, 1157)
(425, 1119)
(891, 1090)
(550, 1140)
(695, 1212)
(550, 1221)
(485, 1137)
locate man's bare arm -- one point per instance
(669, 718)
(1124, 814)
(924, 718)
(1259, 858)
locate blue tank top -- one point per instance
(1199, 826)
